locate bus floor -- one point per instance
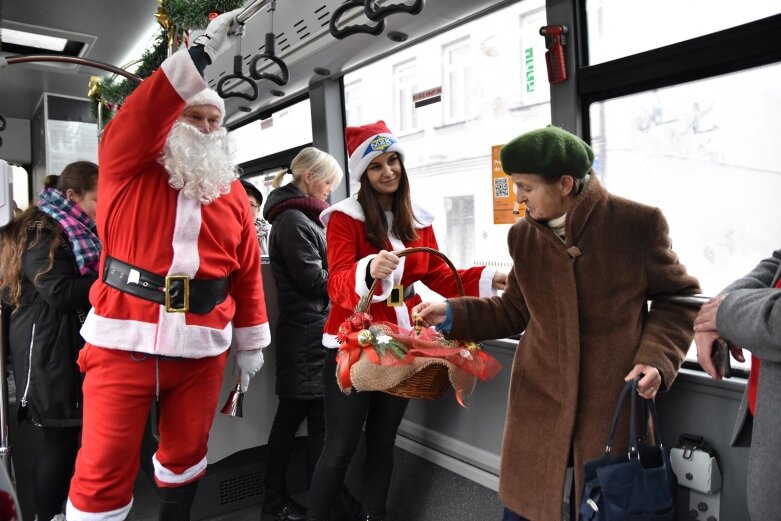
(419, 490)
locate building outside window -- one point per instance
(404, 86)
(704, 152)
(353, 101)
(456, 80)
(485, 102)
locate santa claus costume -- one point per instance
(350, 254)
(180, 278)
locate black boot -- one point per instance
(175, 502)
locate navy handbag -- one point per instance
(636, 486)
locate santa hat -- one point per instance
(367, 142)
(209, 97)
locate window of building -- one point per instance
(404, 86)
(456, 80)
(353, 102)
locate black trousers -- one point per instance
(53, 469)
(344, 418)
(290, 414)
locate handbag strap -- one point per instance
(630, 386)
(649, 407)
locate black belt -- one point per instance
(177, 293)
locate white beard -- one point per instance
(198, 164)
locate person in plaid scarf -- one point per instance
(49, 261)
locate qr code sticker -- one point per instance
(502, 187)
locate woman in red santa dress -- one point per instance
(362, 234)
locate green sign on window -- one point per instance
(529, 55)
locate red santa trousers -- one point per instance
(119, 389)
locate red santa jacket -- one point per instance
(144, 222)
(349, 252)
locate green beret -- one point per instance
(550, 151)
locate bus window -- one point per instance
(285, 129)
(707, 156)
(617, 28)
(493, 82)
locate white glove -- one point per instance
(220, 34)
(249, 363)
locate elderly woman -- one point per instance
(585, 264)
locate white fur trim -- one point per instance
(186, 260)
(166, 476)
(183, 75)
(350, 206)
(140, 337)
(423, 217)
(209, 97)
(361, 288)
(367, 151)
(251, 338)
(402, 314)
(74, 514)
(187, 228)
(485, 286)
(330, 341)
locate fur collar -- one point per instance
(352, 207)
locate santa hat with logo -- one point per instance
(209, 97)
(365, 143)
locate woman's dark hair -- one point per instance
(376, 223)
(81, 177)
(50, 181)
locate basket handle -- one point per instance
(421, 249)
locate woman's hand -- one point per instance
(499, 282)
(431, 313)
(649, 384)
(383, 265)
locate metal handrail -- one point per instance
(5, 446)
(242, 18)
(694, 301)
(251, 10)
(69, 59)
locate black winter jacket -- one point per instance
(298, 260)
(44, 331)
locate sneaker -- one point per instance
(285, 509)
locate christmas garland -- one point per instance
(176, 18)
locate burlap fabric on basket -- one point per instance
(367, 376)
(418, 364)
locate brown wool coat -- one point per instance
(582, 307)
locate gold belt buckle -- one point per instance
(396, 296)
(186, 283)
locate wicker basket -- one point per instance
(432, 381)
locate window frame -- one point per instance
(735, 49)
